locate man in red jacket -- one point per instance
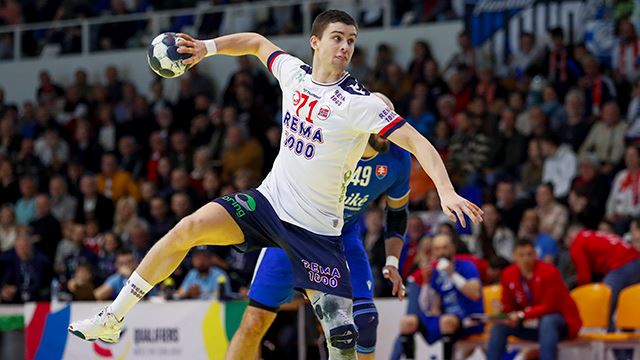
(537, 303)
(607, 255)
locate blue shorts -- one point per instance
(317, 262)
(430, 328)
(272, 283)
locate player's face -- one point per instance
(336, 45)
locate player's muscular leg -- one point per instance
(449, 324)
(246, 340)
(209, 225)
(335, 315)
(409, 324)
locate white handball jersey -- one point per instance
(325, 128)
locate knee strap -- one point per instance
(335, 315)
(365, 316)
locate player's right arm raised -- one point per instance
(233, 45)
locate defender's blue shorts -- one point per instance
(430, 328)
(273, 280)
(315, 261)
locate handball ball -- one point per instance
(164, 58)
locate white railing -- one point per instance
(158, 21)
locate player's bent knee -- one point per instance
(409, 324)
(449, 324)
(334, 313)
(366, 321)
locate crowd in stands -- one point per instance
(93, 174)
(209, 22)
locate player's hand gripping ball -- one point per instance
(164, 58)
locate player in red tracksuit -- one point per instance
(604, 254)
(534, 290)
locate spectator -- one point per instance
(107, 255)
(241, 152)
(107, 130)
(456, 284)
(533, 290)
(509, 152)
(432, 216)
(421, 54)
(492, 238)
(546, 246)
(466, 57)
(78, 255)
(359, 68)
(419, 117)
(27, 274)
(8, 228)
(592, 184)
(373, 239)
(487, 88)
(81, 284)
(9, 138)
(180, 154)
(130, 159)
(598, 88)
(180, 183)
(211, 184)
(126, 216)
(531, 173)
(63, 205)
(508, 205)
(395, 84)
(599, 254)
(559, 165)
(633, 114)
(469, 151)
(553, 216)
(495, 268)
(51, 149)
(201, 164)
(561, 69)
(606, 138)
(139, 241)
(115, 183)
(45, 229)
(526, 56)
(9, 188)
(161, 220)
(436, 86)
(125, 264)
(94, 206)
(48, 91)
(626, 53)
(415, 233)
(203, 281)
(624, 199)
(26, 205)
(570, 125)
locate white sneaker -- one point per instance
(103, 326)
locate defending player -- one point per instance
(383, 169)
(327, 119)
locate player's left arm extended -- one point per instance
(453, 204)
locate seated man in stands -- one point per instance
(534, 290)
(441, 298)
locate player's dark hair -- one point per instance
(522, 243)
(330, 16)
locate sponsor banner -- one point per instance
(496, 24)
(172, 330)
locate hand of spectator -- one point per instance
(455, 206)
(8, 292)
(512, 321)
(193, 292)
(392, 274)
(195, 47)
